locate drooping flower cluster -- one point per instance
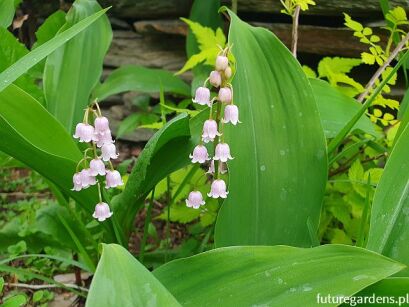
(94, 170)
(220, 104)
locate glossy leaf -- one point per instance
(25, 63)
(279, 147)
(7, 10)
(11, 50)
(32, 135)
(388, 233)
(49, 28)
(165, 152)
(142, 79)
(390, 288)
(272, 275)
(72, 71)
(120, 280)
(336, 109)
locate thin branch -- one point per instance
(381, 69)
(295, 31)
(36, 287)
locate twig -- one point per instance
(36, 287)
(381, 69)
(295, 31)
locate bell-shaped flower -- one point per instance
(199, 155)
(103, 138)
(108, 152)
(231, 114)
(102, 212)
(215, 78)
(225, 95)
(228, 73)
(222, 152)
(113, 179)
(218, 189)
(83, 180)
(77, 180)
(210, 131)
(97, 167)
(222, 62)
(101, 125)
(222, 170)
(84, 132)
(202, 96)
(195, 200)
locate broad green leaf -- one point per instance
(7, 10)
(336, 109)
(272, 275)
(391, 290)
(32, 135)
(72, 71)
(279, 148)
(388, 233)
(138, 78)
(121, 280)
(25, 63)
(403, 115)
(49, 28)
(11, 50)
(167, 151)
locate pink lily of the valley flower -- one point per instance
(199, 155)
(102, 212)
(101, 125)
(215, 78)
(222, 152)
(202, 96)
(195, 200)
(84, 132)
(218, 189)
(231, 114)
(222, 62)
(225, 95)
(108, 152)
(83, 180)
(97, 167)
(113, 179)
(210, 131)
(228, 73)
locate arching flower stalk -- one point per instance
(94, 170)
(222, 104)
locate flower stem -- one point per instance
(146, 227)
(99, 192)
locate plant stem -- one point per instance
(168, 201)
(295, 31)
(381, 69)
(217, 141)
(234, 6)
(146, 226)
(361, 237)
